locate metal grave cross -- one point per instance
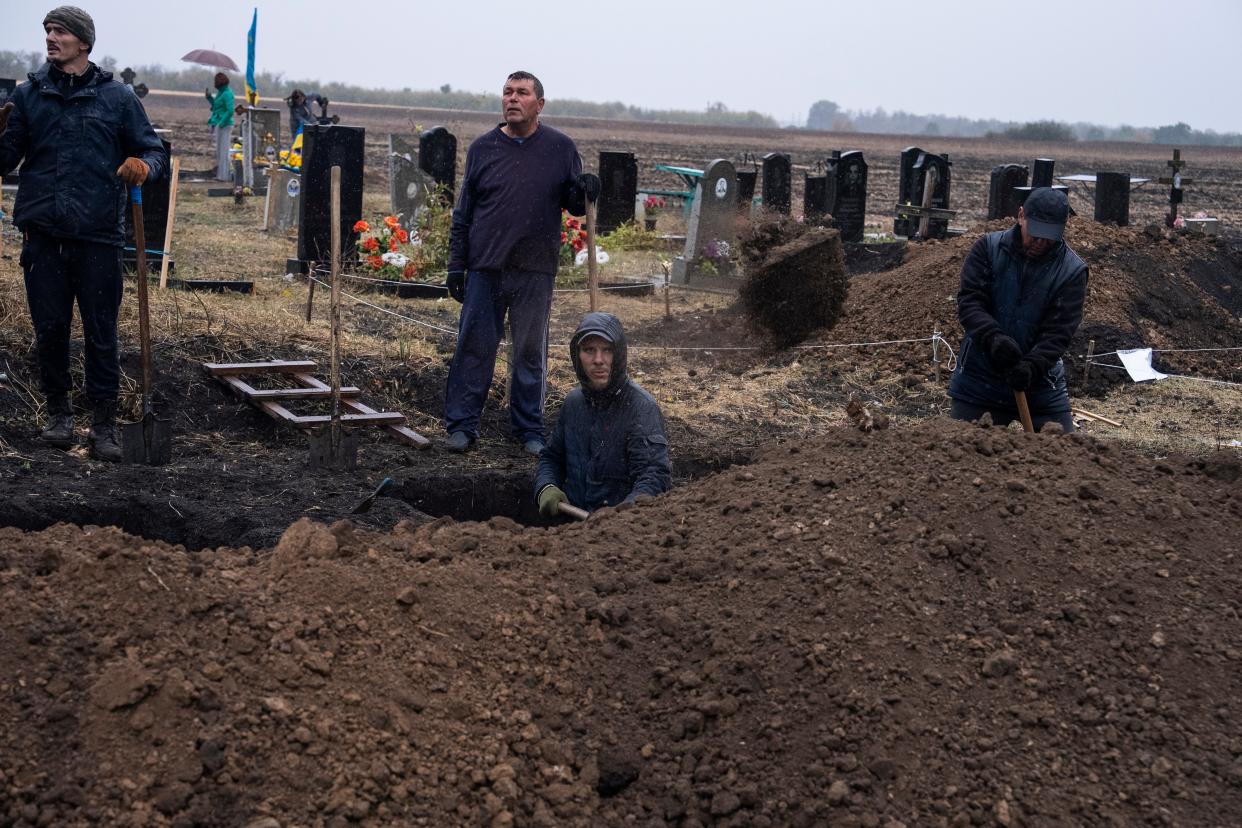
(1176, 183)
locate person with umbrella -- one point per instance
(82, 139)
(221, 123)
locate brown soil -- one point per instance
(861, 630)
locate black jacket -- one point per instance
(1038, 302)
(70, 144)
(608, 446)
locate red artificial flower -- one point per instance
(370, 245)
(403, 236)
(579, 244)
(411, 270)
(375, 262)
(361, 226)
(564, 238)
(573, 223)
(392, 243)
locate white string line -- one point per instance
(634, 286)
(348, 295)
(1171, 376)
(1167, 351)
(952, 364)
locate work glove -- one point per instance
(550, 497)
(590, 184)
(456, 284)
(4, 116)
(1021, 375)
(1004, 351)
(133, 171)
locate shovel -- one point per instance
(331, 447)
(1024, 412)
(148, 441)
(572, 511)
(365, 506)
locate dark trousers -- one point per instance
(58, 272)
(527, 300)
(1004, 416)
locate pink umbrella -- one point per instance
(208, 57)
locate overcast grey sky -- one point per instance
(1141, 62)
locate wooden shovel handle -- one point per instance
(1024, 412)
(573, 511)
(144, 314)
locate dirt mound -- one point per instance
(936, 624)
(795, 283)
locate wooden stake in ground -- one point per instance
(172, 214)
(592, 273)
(335, 379)
(1086, 368)
(930, 179)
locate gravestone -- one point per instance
(618, 173)
(325, 147)
(1041, 176)
(914, 166)
(848, 204)
(815, 198)
(155, 196)
(7, 87)
(1112, 198)
(265, 129)
(1003, 199)
(777, 182)
(711, 243)
(746, 181)
(437, 156)
(285, 187)
(408, 185)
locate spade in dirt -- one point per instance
(365, 506)
(149, 440)
(332, 447)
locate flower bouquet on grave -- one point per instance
(384, 251)
(573, 239)
(652, 206)
(716, 259)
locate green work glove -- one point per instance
(550, 497)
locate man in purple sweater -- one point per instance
(503, 254)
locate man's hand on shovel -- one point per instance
(133, 171)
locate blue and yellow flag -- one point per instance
(252, 93)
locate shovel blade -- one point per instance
(325, 455)
(147, 442)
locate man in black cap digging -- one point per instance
(81, 138)
(1020, 302)
(609, 444)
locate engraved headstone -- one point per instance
(265, 126)
(848, 204)
(914, 166)
(1112, 198)
(408, 185)
(1003, 198)
(618, 173)
(325, 147)
(711, 242)
(286, 190)
(437, 156)
(777, 182)
(816, 197)
(1041, 175)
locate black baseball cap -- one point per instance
(1046, 212)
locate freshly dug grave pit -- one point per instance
(937, 624)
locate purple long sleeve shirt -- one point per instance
(508, 215)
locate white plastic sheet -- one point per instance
(1137, 362)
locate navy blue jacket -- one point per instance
(508, 215)
(608, 446)
(72, 146)
(1038, 302)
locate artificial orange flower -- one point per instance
(411, 270)
(391, 221)
(403, 236)
(370, 245)
(375, 262)
(361, 226)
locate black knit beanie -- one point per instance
(78, 23)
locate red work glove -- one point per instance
(133, 171)
(4, 116)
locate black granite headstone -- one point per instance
(1041, 176)
(746, 181)
(618, 173)
(815, 198)
(325, 147)
(848, 203)
(1112, 198)
(1003, 199)
(914, 165)
(777, 182)
(7, 87)
(437, 156)
(155, 195)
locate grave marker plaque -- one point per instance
(1112, 198)
(1003, 198)
(618, 173)
(265, 126)
(848, 204)
(914, 166)
(286, 190)
(408, 185)
(437, 156)
(777, 182)
(325, 147)
(1041, 176)
(710, 231)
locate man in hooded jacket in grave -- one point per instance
(609, 444)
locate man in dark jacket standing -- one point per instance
(609, 444)
(1020, 303)
(82, 138)
(504, 248)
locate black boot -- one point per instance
(104, 445)
(59, 431)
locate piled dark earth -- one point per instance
(937, 624)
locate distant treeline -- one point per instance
(273, 87)
(828, 116)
